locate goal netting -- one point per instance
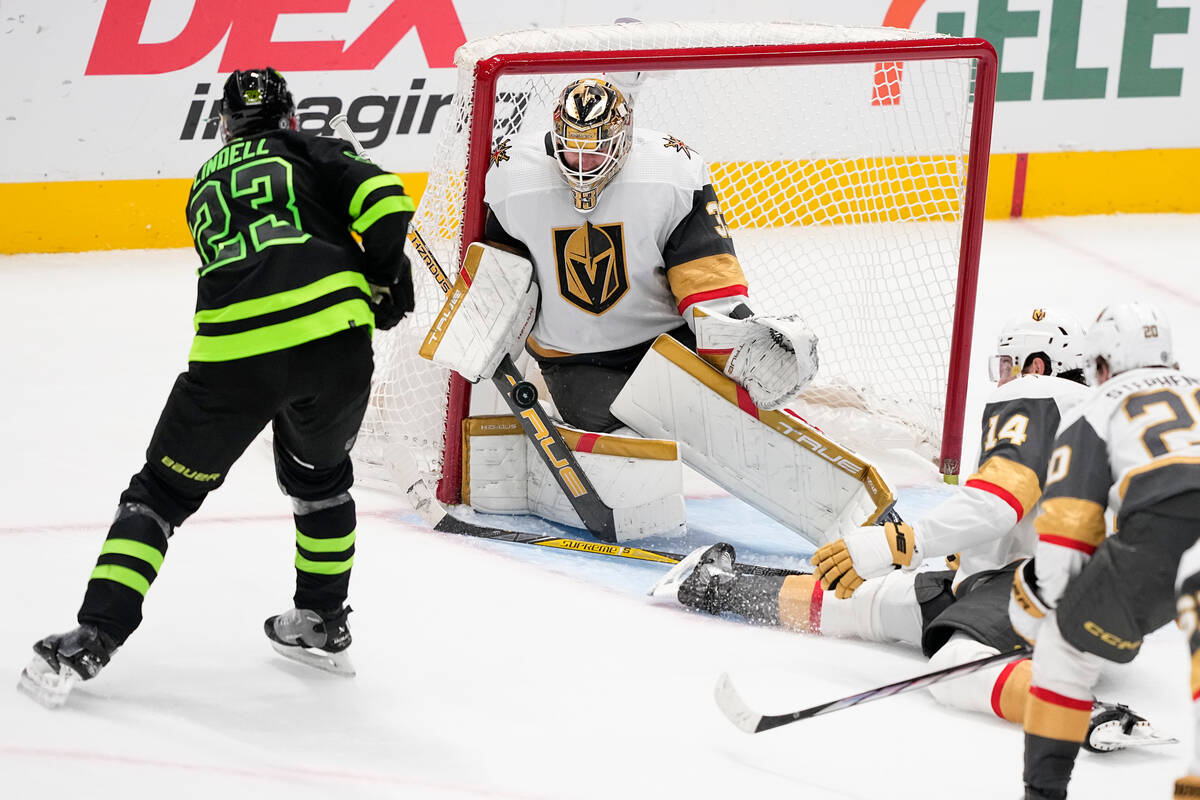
(850, 163)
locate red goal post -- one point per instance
(957, 181)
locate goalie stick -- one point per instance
(747, 719)
(521, 398)
(438, 518)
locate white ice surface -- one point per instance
(485, 669)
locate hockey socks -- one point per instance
(129, 562)
(325, 532)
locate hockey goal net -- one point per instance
(851, 165)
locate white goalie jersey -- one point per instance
(654, 246)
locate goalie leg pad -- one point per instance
(640, 479)
(771, 460)
(487, 314)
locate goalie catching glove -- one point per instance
(487, 315)
(842, 566)
(772, 358)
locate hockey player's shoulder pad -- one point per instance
(660, 157)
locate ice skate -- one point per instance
(62, 660)
(701, 580)
(314, 638)
(1115, 727)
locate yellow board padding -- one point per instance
(1125, 182)
(70, 216)
(76, 216)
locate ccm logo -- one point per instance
(118, 49)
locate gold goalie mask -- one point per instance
(591, 137)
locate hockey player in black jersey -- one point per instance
(1089, 598)
(286, 302)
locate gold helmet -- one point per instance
(591, 137)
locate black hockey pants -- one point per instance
(314, 395)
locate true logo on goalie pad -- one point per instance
(590, 263)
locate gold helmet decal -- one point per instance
(591, 265)
(590, 137)
(1039, 314)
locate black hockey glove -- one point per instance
(392, 303)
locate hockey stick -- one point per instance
(750, 721)
(436, 516)
(521, 398)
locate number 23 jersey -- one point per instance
(272, 217)
(633, 267)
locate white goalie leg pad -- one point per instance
(972, 692)
(881, 610)
(640, 479)
(773, 358)
(770, 459)
(487, 314)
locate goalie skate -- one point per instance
(1116, 727)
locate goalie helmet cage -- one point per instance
(851, 164)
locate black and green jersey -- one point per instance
(273, 218)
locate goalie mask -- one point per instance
(256, 101)
(591, 137)
(1054, 335)
(1128, 336)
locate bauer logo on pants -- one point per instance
(591, 265)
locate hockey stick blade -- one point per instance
(404, 466)
(745, 718)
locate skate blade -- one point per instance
(44, 685)
(667, 588)
(336, 663)
(1108, 740)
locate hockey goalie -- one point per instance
(608, 259)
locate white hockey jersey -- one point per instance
(989, 521)
(1134, 443)
(655, 244)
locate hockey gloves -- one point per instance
(392, 303)
(842, 566)
(1026, 608)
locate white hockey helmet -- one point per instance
(591, 137)
(1054, 334)
(1128, 336)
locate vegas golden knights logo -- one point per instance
(591, 265)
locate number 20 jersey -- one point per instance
(271, 217)
(1133, 443)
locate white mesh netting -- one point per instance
(843, 183)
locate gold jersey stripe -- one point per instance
(1016, 478)
(796, 602)
(705, 274)
(1053, 721)
(1071, 518)
(1196, 675)
(545, 352)
(1157, 463)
